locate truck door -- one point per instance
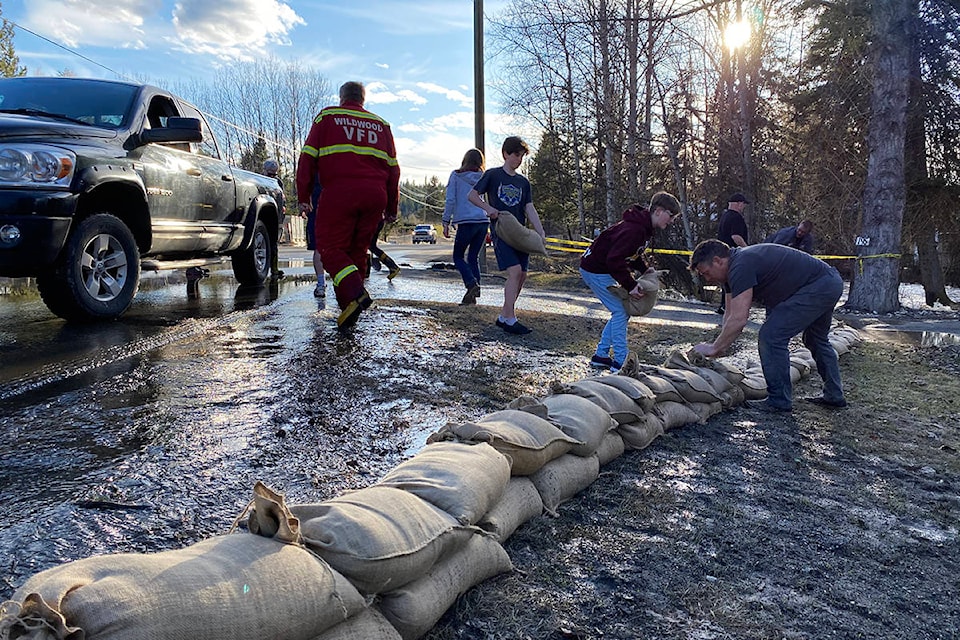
(217, 208)
(171, 177)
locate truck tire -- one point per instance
(97, 273)
(252, 265)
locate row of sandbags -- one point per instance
(386, 561)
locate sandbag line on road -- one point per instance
(386, 561)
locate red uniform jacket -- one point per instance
(349, 143)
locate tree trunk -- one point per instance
(876, 281)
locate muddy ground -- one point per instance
(819, 524)
(816, 524)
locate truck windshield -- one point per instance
(95, 102)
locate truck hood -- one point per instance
(14, 126)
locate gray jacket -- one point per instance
(459, 210)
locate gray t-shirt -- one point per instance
(773, 271)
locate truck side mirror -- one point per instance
(177, 130)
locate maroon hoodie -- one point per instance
(615, 250)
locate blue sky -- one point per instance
(416, 58)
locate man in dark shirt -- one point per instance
(799, 293)
(732, 228)
(799, 236)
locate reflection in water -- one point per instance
(921, 338)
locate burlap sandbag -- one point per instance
(380, 538)
(676, 414)
(661, 387)
(414, 609)
(231, 587)
(521, 238)
(706, 410)
(270, 517)
(690, 385)
(754, 387)
(369, 624)
(801, 364)
(650, 285)
(463, 479)
(561, 479)
(639, 435)
(729, 371)
(638, 392)
(519, 503)
(615, 402)
(529, 441)
(611, 448)
(580, 419)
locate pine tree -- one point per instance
(9, 62)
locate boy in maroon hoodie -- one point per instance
(611, 259)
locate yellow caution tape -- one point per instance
(556, 244)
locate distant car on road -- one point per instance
(424, 233)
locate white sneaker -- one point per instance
(320, 291)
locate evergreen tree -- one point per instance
(9, 62)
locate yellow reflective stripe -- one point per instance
(310, 151)
(361, 151)
(340, 111)
(343, 273)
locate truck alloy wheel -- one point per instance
(97, 274)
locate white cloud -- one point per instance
(233, 29)
(449, 94)
(379, 93)
(119, 23)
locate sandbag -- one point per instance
(676, 414)
(519, 503)
(688, 384)
(463, 479)
(529, 441)
(706, 410)
(754, 387)
(230, 587)
(580, 419)
(729, 371)
(650, 285)
(518, 236)
(636, 390)
(561, 479)
(369, 624)
(414, 609)
(380, 538)
(611, 448)
(662, 388)
(639, 435)
(615, 402)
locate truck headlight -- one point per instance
(27, 164)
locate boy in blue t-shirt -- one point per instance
(503, 189)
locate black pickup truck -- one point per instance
(100, 179)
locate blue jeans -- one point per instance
(614, 335)
(467, 242)
(809, 310)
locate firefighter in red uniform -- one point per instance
(350, 151)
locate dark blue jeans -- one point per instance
(468, 242)
(809, 310)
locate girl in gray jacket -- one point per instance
(470, 221)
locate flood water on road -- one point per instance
(149, 433)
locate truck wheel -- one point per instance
(96, 275)
(252, 265)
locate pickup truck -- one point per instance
(100, 179)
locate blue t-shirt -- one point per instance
(773, 271)
(506, 192)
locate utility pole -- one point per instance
(479, 134)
